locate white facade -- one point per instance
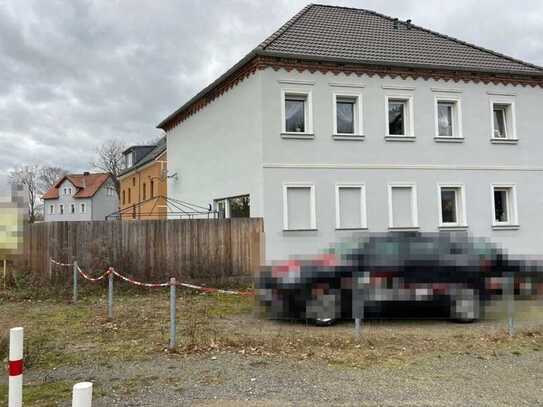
(69, 208)
(239, 144)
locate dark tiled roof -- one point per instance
(363, 36)
(358, 36)
(87, 185)
(147, 158)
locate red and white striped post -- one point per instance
(15, 367)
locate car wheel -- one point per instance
(325, 321)
(324, 309)
(465, 306)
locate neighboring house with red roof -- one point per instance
(81, 197)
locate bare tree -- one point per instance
(109, 158)
(49, 176)
(28, 178)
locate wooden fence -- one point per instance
(199, 250)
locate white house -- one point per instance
(346, 120)
(81, 197)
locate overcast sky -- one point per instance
(76, 73)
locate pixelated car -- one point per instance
(401, 270)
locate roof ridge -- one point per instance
(477, 47)
(281, 30)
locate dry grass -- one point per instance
(58, 333)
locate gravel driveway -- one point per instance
(233, 379)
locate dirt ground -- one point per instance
(228, 355)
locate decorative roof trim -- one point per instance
(259, 62)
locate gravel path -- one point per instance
(230, 379)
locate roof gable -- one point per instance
(153, 154)
(87, 185)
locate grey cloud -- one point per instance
(76, 73)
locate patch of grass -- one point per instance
(58, 333)
(3, 394)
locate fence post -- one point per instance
(172, 314)
(510, 298)
(50, 270)
(82, 395)
(110, 295)
(5, 272)
(15, 393)
(75, 282)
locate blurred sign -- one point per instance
(11, 229)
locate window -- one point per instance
(134, 181)
(239, 206)
(399, 117)
(234, 207)
(221, 207)
(129, 159)
(65, 191)
(61, 209)
(51, 209)
(503, 121)
(72, 208)
(129, 196)
(504, 205)
(296, 113)
(124, 197)
(299, 207)
(70, 191)
(347, 114)
(144, 191)
(350, 207)
(402, 206)
(448, 119)
(451, 205)
(152, 189)
(82, 208)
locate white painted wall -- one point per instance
(217, 152)
(234, 146)
(476, 162)
(104, 204)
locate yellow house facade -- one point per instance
(143, 184)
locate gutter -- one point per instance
(313, 58)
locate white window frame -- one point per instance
(357, 114)
(363, 212)
(461, 217)
(82, 207)
(512, 206)
(51, 209)
(510, 120)
(409, 116)
(457, 134)
(414, 206)
(61, 209)
(308, 113)
(312, 206)
(72, 209)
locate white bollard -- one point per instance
(15, 397)
(82, 395)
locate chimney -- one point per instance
(395, 23)
(408, 24)
(84, 181)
